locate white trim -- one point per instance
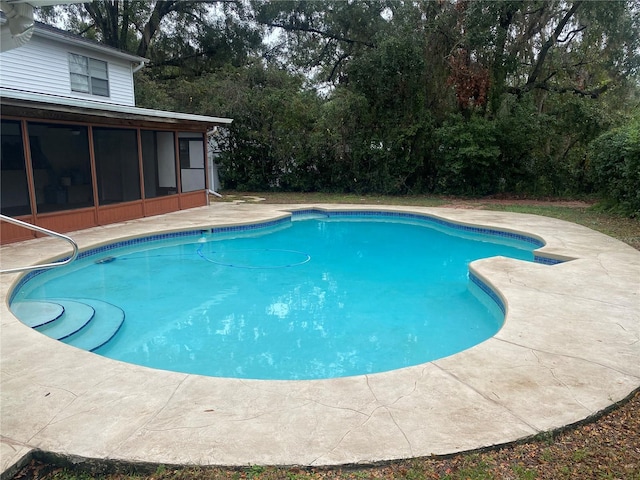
(53, 101)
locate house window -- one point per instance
(88, 75)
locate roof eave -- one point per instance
(106, 111)
(53, 35)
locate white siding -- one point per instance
(42, 66)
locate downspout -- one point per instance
(21, 25)
(139, 66)
(134, 69)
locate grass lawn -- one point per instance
(604, 447)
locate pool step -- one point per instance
(85, 323)
(105, 324)
(37, 313)
(76, 316)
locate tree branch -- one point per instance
(549, 77)
(85, 30)
(160, 10)
(531, 12)
(112, 10)
(292, 28)
(336, 65)
(572, 33)
(124, 29)
(537, 69)
(595, 93)
(96, 15)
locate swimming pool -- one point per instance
(316, 295)
(568, 349)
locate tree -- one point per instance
(574, 47)
(189, 35)
(320, 36)
(534, 71)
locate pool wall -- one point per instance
(323, 213)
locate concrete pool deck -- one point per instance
(570, 347)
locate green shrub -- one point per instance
(468, 157)
(614, 163)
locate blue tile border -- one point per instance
(546, 260)
(251, 226)
(300, 213)
(425, 218)
(489, 291)
(537, 243)
(139, 241)
(24, 279)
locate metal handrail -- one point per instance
(20, 223)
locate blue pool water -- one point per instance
(305, 299)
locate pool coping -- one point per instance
(570, 347)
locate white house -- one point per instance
(76, 151)
(54, 62)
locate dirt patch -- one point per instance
(237, 198)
